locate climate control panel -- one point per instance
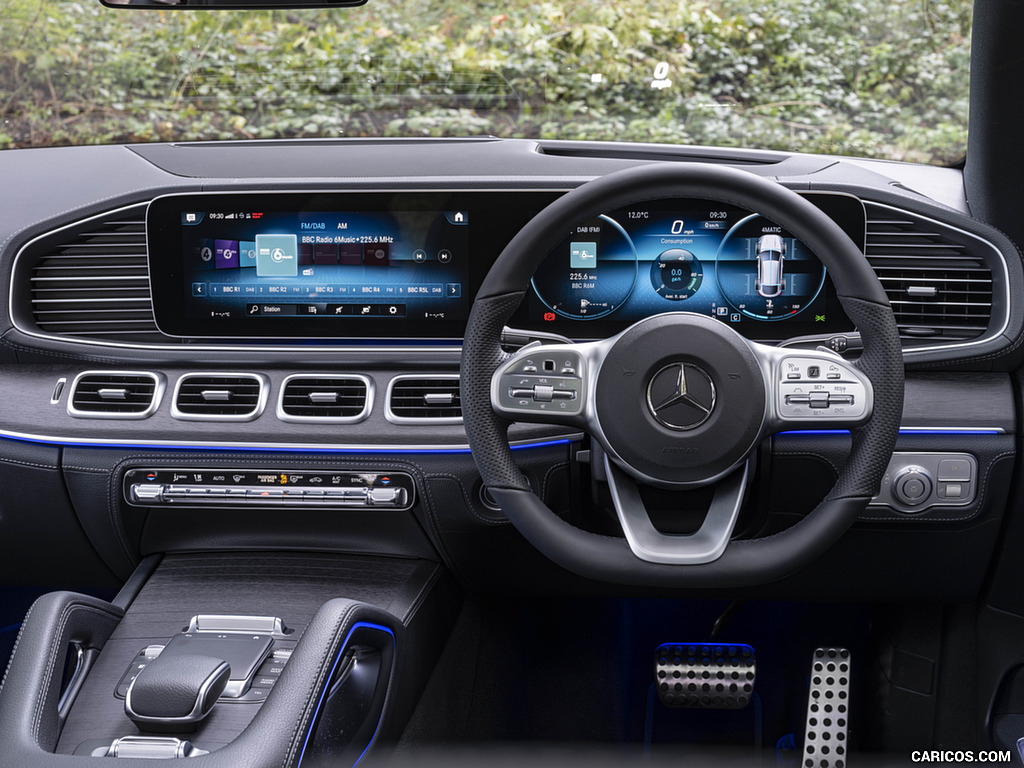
(196, 487)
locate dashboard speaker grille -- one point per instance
(936, 277)
(219, 396)
(92, 281)
(331, 398)
(114, 393)
(428, 398)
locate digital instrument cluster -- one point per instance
(693, 256)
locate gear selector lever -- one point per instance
(174, 692)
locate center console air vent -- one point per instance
(115, 395)
(424, 400)
(219, 397)
(939, 279)
(90, 281)
(335, 399)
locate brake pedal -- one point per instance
(828, 710)
(705, 675)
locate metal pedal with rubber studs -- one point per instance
(828, 710)
(705, 675)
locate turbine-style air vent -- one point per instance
(92, 280)
(325, 398)
(937, 277)
(424, 400)
(219, 396)
(115, 394)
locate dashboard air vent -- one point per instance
(937, 277)
(219, 397)
(115, 394)
(92, 280)
(424, 400)
(325, 398)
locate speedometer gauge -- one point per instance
(591, 273)
(764, 273)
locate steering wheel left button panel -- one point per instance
(546, 382)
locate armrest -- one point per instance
(30, 689)
(274, 739)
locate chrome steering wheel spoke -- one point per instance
(812, 389)
(648, 543)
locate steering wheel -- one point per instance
(680, 400)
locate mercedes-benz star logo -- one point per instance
(681, 396)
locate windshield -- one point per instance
(876, 78)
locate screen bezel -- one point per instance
(495, 216)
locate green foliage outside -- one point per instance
(878, 78)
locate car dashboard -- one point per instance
(233, 387)
(291, 314)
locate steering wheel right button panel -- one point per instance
(820, 389)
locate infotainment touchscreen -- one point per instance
(310, 265)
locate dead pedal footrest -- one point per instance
(828, 710)
(705, 675)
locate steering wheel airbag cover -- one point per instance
(664, 455)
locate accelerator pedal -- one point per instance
(828, 710)
(705, 675)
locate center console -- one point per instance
(239, 658)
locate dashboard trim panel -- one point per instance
(563, 439)
(447, 346)
(200, 445)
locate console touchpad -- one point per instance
(243, 652)
(251, 645)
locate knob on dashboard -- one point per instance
(912, 486)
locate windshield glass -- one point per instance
(875, 78)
